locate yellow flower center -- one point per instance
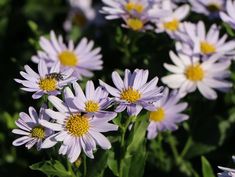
(79, 19)
(68, 58)
(207, 48)
(172, 25)
(38, 132)
(48, 84)
(91, 106)
(130, 6)
(77, 125)
(158, 115)
(194, 73)
(135, 24)
(213, 7)
(131, 95)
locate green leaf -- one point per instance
(229, 30)
(97, 166)
(134, 159)
(206, 168)
(137, 136)
(33, 26)
(197, 149)
(52, 168)
(112, 163)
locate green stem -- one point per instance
(174, 150)
(84, 166)
(129, 120)
(186, 147)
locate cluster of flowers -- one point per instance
(203, 58)
(79, 118)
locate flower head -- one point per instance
(75, 130)
(171, 22)
(134, 92)
(31, 130)
(46, 81)
(196, 41)
(94, 101)
(167, 114)
(80, 13)
(228, 16)
(135, 13)
(191, 73)
(82, 58)
(228, 172)
(209, 8)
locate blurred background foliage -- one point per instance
(209, 132)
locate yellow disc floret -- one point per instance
(77, 125)
(194, 73)
(207, 48)
(38, 132)
(172, 25)
(48, 84)
(91, 106)
(135, 24)
(130, 6)
(68, 58)
(131, 95)
(158, 115)
(213, 7)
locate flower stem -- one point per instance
(186, 147)
(84, 166)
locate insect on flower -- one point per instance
(56, 76)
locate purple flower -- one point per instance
(94, 102)
(31, 130)
(81, 58)
(167, 114)
(75, 130)
(45, 81)
(134, 92)
(228, 172)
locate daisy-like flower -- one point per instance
(171, 23)
(94, 102)
(196, 41)
(209, 8)
(135, 13)
(134, 92)
(228, 172)
(82, 58)
(80, 12)
(46, 81)
(167, 114)
(229, 15)
(76, 131)
(30, 129)
(189, 74)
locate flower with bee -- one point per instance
(46, 81)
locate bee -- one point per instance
(56, 76)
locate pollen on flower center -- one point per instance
(77, 125)
(134, 6)
(38, 132)
(48, 84)
(207, 48)
(135, 24)
(194, 73)
(213, 7)
(172, 25)
(131, 95)
(158, 115)
(91, 106)
(68, 58)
